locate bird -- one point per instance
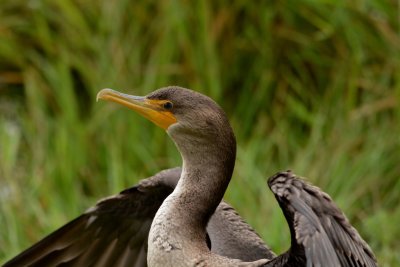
(178, 218)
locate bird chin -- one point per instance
(173, 128)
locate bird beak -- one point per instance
(151, 109)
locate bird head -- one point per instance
(183, 113)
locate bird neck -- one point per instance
(206, 172)
(208, 153)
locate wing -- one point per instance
(112, 233)
(321, 233)
(232, 237)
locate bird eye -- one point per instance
(168, 105)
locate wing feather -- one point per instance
(317, 225)
(114, 232)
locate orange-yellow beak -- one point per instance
(149, 108)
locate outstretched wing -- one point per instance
(112, 233)
(321, 233)
(115, 231)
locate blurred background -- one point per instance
(312, 86)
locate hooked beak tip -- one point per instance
(102, 93)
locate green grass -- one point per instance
(312, 86)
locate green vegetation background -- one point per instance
(312, 86)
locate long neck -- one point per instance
(207, 170)
(178, 231)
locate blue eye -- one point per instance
(168, 105)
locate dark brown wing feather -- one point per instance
(115, 231)
(232, 237)
(321, 233)
(112, 233)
